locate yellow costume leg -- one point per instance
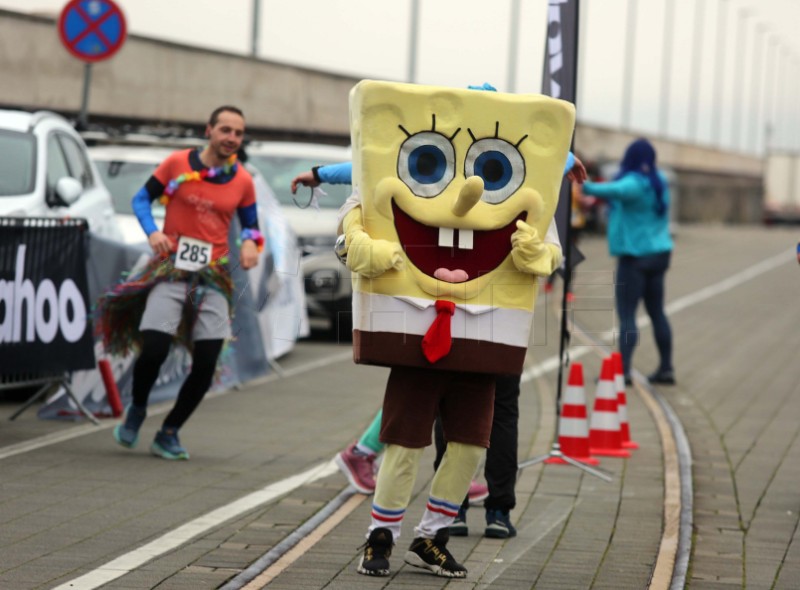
(393, 488)
(449, 487)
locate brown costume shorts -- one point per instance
(413, 397)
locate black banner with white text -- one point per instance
(45, 328)
(559, 80)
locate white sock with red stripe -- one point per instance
(438, 515)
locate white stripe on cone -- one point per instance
(573, 428)
(604, 435)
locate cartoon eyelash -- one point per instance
(496, 134)
(433, 129)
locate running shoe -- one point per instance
(477, 493)
(127, 433)
(459, 527)
(663, 377)
(167, 446)
(357, 468)
(432, 555)
(375, 559)
(498, 525)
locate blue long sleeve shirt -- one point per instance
(634, 227)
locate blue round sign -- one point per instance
(92, 30)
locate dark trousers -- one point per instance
(501, 457)
(155, 348)
(641, 278)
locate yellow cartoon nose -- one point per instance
(468, 196)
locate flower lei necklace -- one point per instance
(228, 167)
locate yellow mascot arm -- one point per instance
(365, 256)
(531, 254)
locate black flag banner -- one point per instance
(45, 327)
(559, 80)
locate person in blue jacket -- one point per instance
(639, 236)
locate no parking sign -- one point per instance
(92, 30)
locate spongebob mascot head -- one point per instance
(458, 189)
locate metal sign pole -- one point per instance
(83, 117)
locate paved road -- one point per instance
(76, 511)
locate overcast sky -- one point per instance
(731, 72)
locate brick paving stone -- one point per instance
(86, 500)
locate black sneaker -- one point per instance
(663, 377)
(498, 525)
(375, 559)
(432, 555)
(459, 526)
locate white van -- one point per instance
(45, 171)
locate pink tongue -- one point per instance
(451, 276)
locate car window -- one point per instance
(279, 171)
(124, 179)
(17, 163)
(76, 159)
(57, 167)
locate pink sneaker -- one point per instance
(477, 492)
(357, 469)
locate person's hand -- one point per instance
(578, 172)
(366, 256)
(371, 258)
(306, 179)
(248, 254)
(532, 255)
(160, 243)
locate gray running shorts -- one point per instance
(165, 304)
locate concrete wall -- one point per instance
(157, 82)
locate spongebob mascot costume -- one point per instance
(457, 189)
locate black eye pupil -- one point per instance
(426, 164)
(492, 171)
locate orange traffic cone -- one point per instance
(604, 434)
(573, 428)
(622, 403)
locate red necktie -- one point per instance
(437, 341)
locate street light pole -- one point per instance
(719, 73)
(513, 46)
(737, 111)
(254, 32)
(412, 42)
(694, 90)
(756, 83)
(627, 83)
(666, 66)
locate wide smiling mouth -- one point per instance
(449, 254)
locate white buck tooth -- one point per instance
(465, 239)
(446, 237)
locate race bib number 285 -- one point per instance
(192, 254)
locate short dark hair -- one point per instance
(212, 120)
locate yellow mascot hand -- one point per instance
(530, 254)
(365, 256)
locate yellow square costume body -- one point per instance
(457, 191)
(457, 187)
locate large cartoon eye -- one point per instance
(499, 164)
(426, 163)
